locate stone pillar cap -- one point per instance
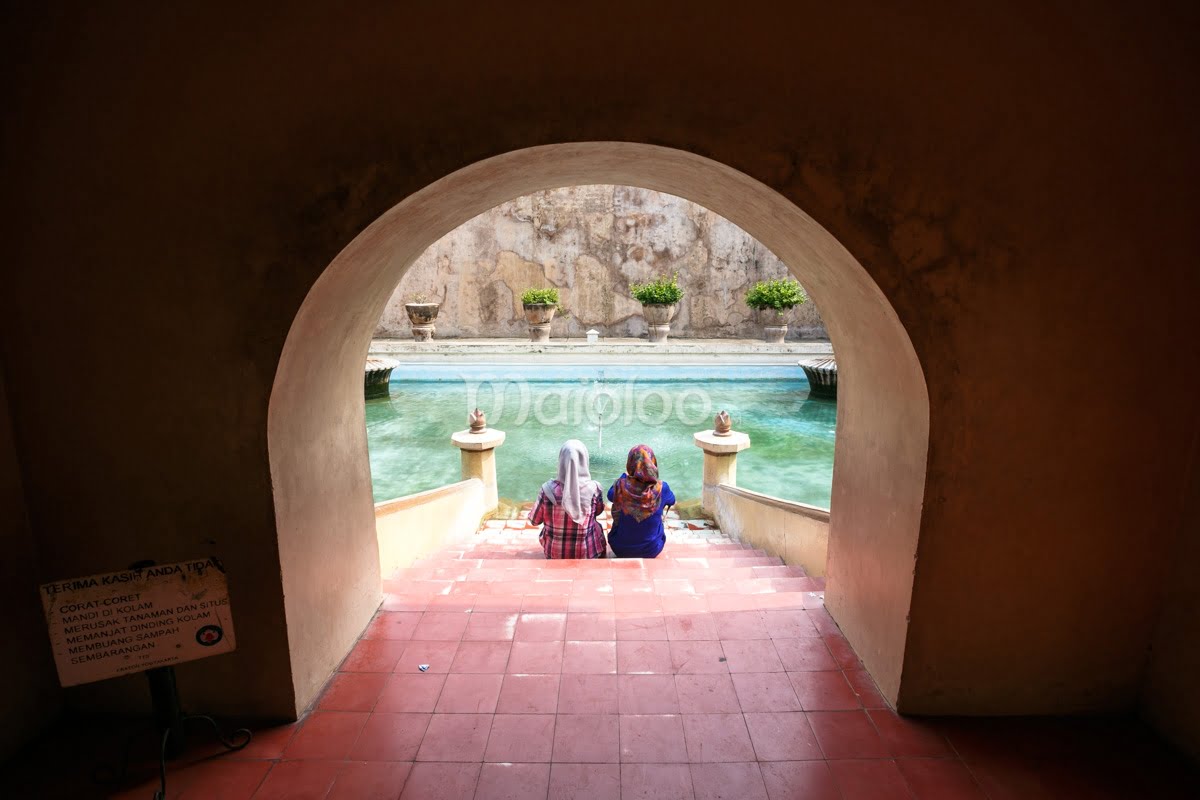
(487, 440)
(710, 442)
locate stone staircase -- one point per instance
(712, 667)
(696, 551)
(711, 672)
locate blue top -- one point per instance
(632, 539)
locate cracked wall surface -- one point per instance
(592, 242)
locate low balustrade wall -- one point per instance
(797, 533)
(413, 526)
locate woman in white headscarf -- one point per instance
(567, 507)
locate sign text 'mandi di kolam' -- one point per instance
(107, 625)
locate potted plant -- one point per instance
(421, 313)
(660, 299)
(771, 300)
(540, 305)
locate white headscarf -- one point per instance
(578, 488)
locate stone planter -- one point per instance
(774, 323)
(422, 316)
(658, 317)
(539, 316)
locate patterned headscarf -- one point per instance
(639, 490)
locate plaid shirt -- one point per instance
(561, 536)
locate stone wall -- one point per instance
(592, 242)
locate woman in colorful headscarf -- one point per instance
(567, 506)
(639, 499)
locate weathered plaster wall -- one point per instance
(1000, 170)
(30, 697)
(592, 242)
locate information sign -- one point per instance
(107, 625)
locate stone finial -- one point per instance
(477, 421)
(722, 425)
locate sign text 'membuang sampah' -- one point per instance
(102, 626)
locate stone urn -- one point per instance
(658, 317)
(774, 323)
(539, 317)
(422, 316)
(377, 376)
(822, 377)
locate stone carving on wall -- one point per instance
(592, 242)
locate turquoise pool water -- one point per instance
(610, 408)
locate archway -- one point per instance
(317, 437)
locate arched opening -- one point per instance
(317, 438)
(589, 245)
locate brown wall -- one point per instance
(30, 698)
(1019, 180)
(1170, 699)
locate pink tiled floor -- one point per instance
(711, 672)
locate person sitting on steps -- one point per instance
(639, 500)
(567, 508)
